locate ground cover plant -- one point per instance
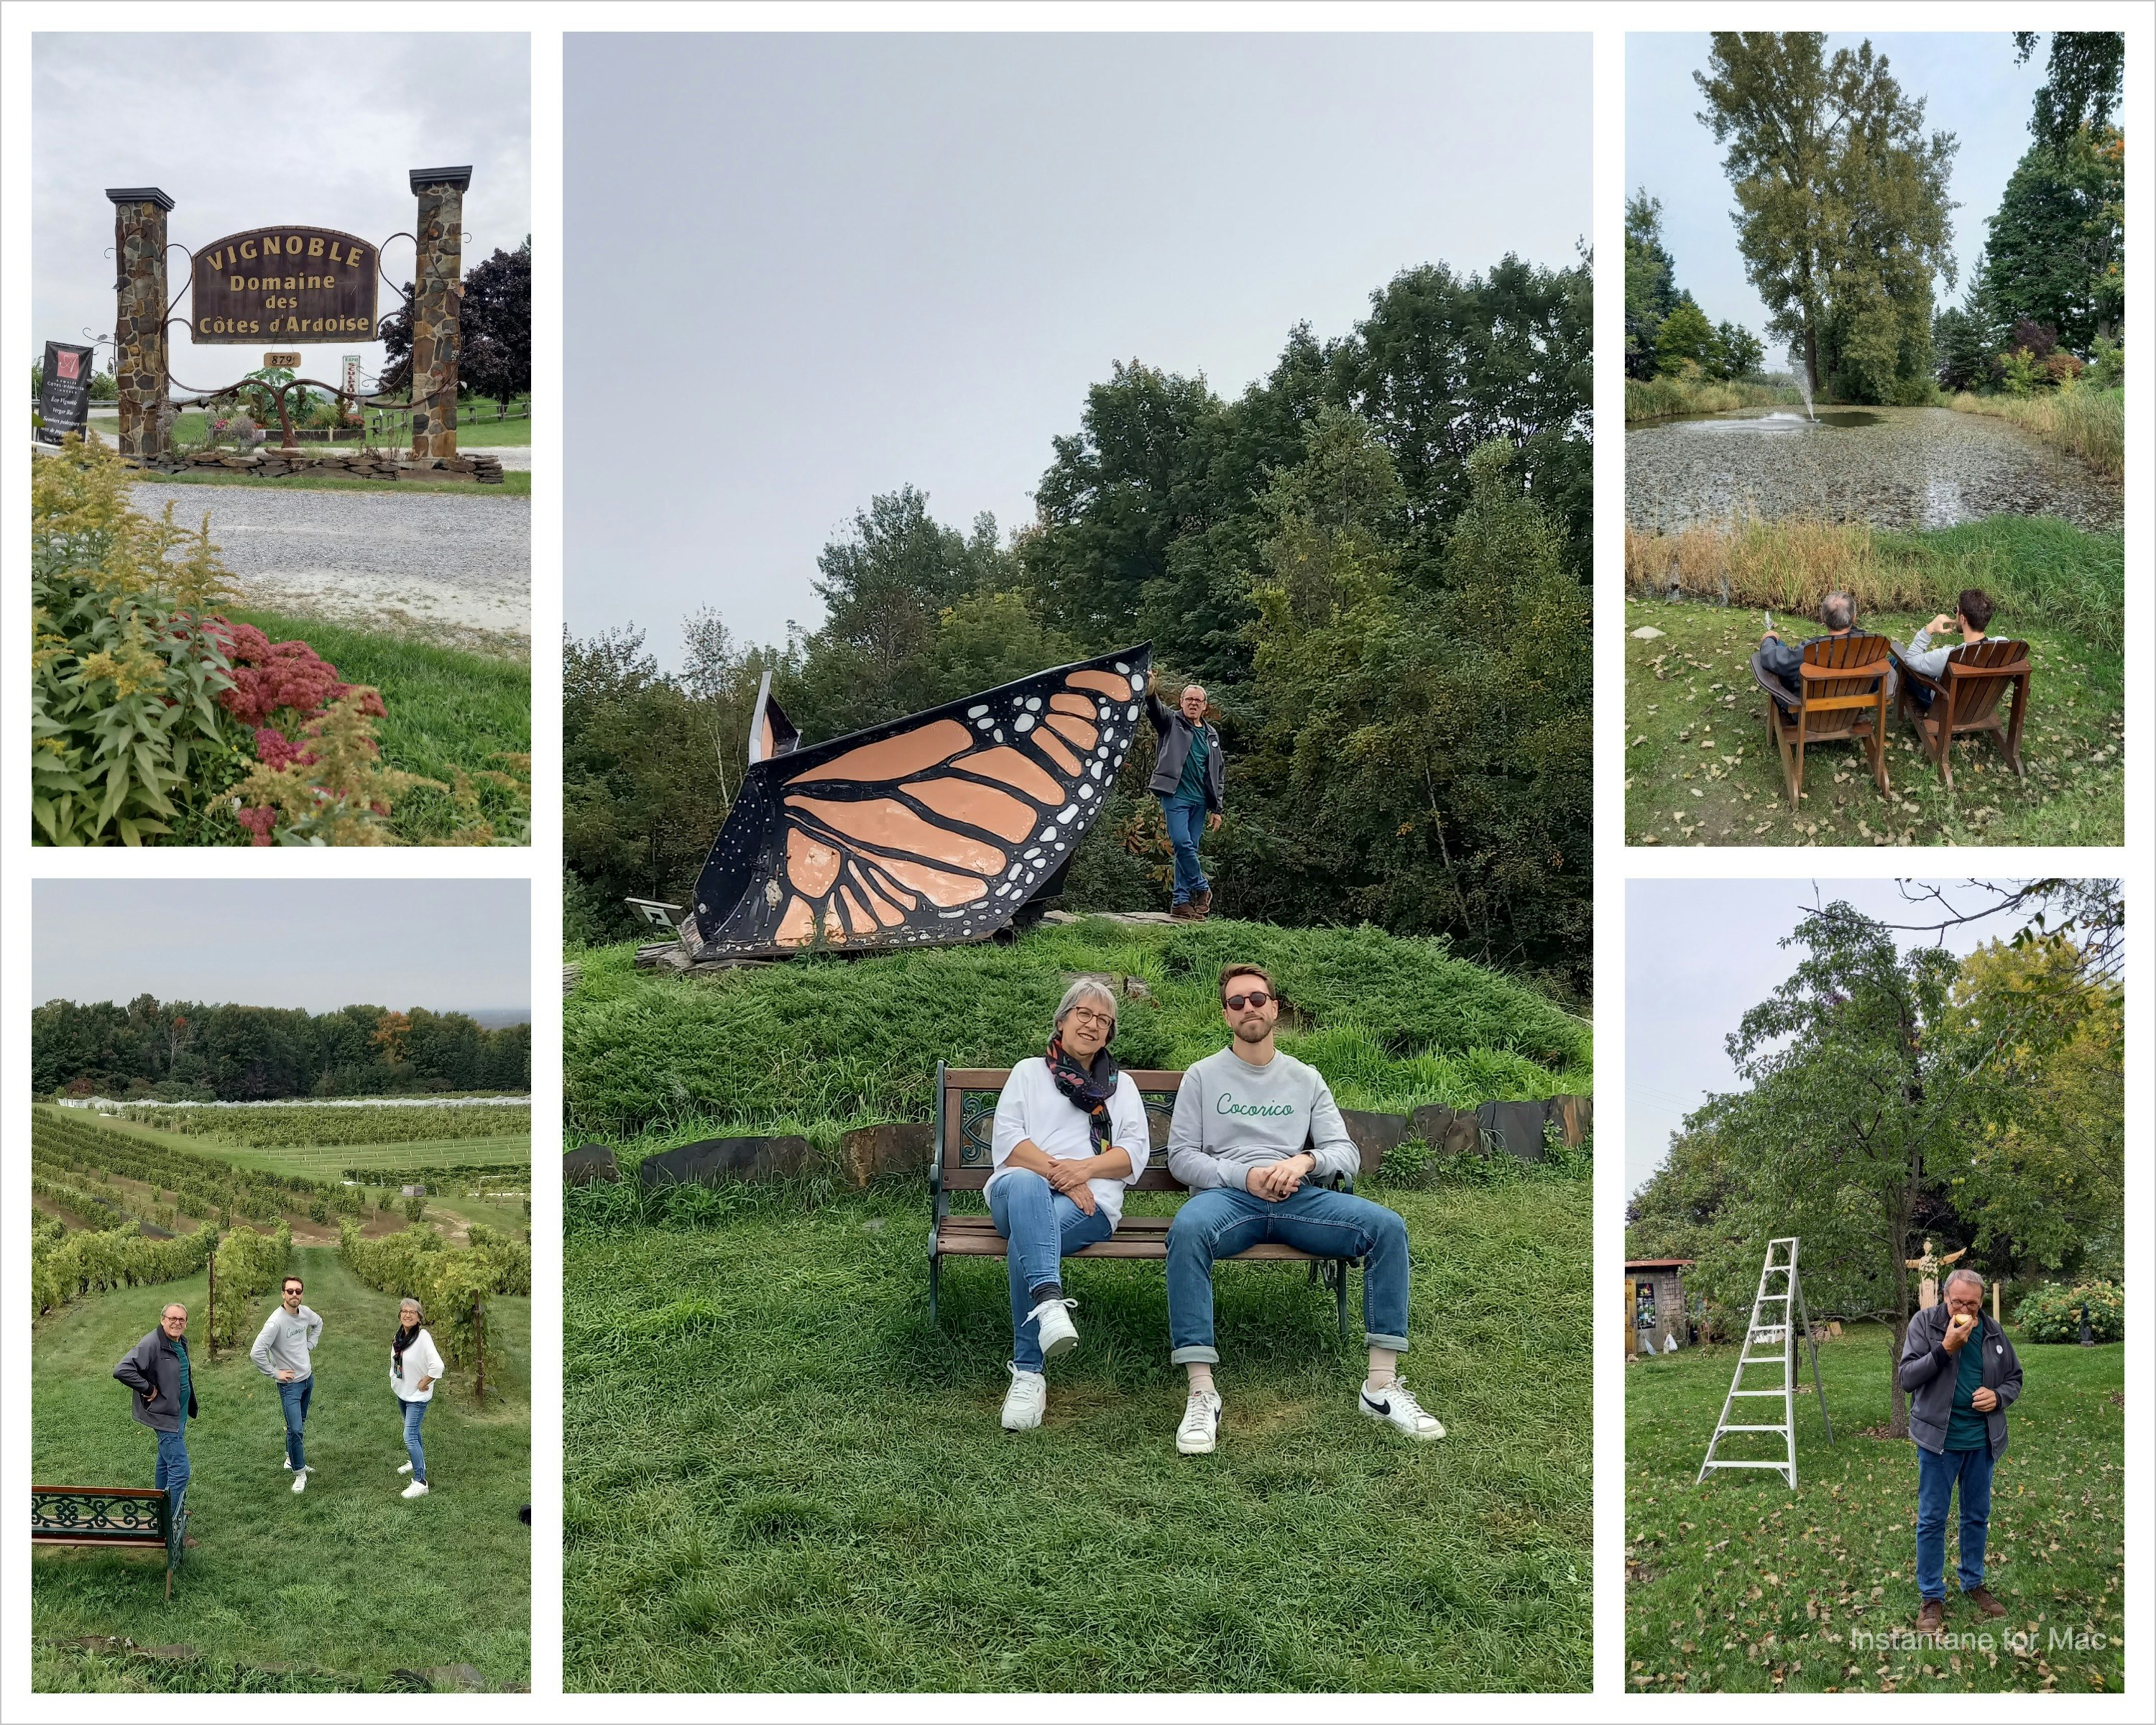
(779, 1475)
(825, 1044)
(1700, 767)
(1739, 1584)
(348, 1587)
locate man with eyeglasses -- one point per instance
(1257, 1138)
(159, 1371)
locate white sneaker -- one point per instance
(1027, 1402)
(1396, 1405)
(1201, 1423)
(417, 1488)
(298, 1480)
(406, 1468)
(1058, 1334)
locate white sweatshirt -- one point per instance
(287, 1341)
(1031, 1106)
(421, 1360)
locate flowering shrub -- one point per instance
(327, 784)
(2053, 1312)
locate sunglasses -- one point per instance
(1256, 997)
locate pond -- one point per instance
(1893, 467)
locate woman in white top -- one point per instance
(414, 1365)
(1070, 1136)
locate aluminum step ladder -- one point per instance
(1779, 1316)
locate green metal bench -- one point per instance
(965, 1129)
(122, 1516)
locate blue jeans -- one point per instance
(1043, 1227)
(1185, 822)
(413, 1413)
(1937, 1477)
(174, 1468)
(1222, 1221)
(295, 1397)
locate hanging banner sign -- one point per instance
(63, 395)
(299, 283)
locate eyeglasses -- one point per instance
(1085, 1016)
(1256, 997)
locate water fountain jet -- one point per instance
(1801, 372)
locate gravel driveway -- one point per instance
(453, 569)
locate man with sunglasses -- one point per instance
(1257, 1138)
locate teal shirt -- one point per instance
(1967, 1428)
(186, 1383)
(1191, 787)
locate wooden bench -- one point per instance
(123, 1517)
(1965, 700)
(1844, 679)
(965, 1124)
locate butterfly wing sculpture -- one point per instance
(931, 829)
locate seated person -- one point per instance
(1972, 616)
(1837, 611)
(1070, 1135)
(1256, 1136)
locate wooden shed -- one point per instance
(1654, 1303)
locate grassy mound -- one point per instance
(342, 1588)
(1740, 1585)
(777, 1475)
(819, 1045)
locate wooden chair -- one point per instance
(1966, 698)
(1844, 701)
(125, 1517)
(965, 1119)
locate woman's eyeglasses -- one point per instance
(1098, 1020)
(1256, 997)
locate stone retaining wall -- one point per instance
(479, 469)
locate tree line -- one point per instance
(1844, 224)
(1375, 559)
(1891, 1095)
(184, 1051)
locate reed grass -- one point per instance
(1659, 398)
(2087, 422)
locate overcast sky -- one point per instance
(449, 946)
(803, 270)
(1970, 86)
(247, 130)
(1700, 954)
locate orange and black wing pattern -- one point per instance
(934, 829)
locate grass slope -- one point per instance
(778, 1476)
(1701, 768)
(819, 1045)
(344, 1586)
(1738, 1584)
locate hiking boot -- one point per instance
(1201, 903)
(1397, 1408)
(1058, 1334)
(1181, 912)
(1932, 1618)
(1980, 1597)
(1201, 1423)
(1027, 1402)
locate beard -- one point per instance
(1252, 1030)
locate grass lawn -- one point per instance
(1739, 1584)
(779, 1475)
(344, 1588)
(1701, 768)
(446, 709)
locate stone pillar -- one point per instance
(141, 362)
(437, 293)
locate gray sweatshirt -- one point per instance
(1231, 1116)
(286, 1340)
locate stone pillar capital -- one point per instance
(138, 194)
(422, 178)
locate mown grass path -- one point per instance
(1700, 767)
(779, 1475)
(339, 1588)
(1740, 1585)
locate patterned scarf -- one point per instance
(402, 1340)
(1087, 1088)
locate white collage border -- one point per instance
(547, 23)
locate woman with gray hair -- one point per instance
(1070, 1136)
(415, 1364)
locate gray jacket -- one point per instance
(154, 1362)
(1928, 1372)
(1175, 734)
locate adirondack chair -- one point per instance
(1966, 698)
(1844, 701)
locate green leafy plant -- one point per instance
(2052, 1312)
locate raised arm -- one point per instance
(1157, 711)
(1921, 1359)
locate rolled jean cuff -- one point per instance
(1193, 1356)
(1398, 1344)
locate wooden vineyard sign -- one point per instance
(299, 283)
